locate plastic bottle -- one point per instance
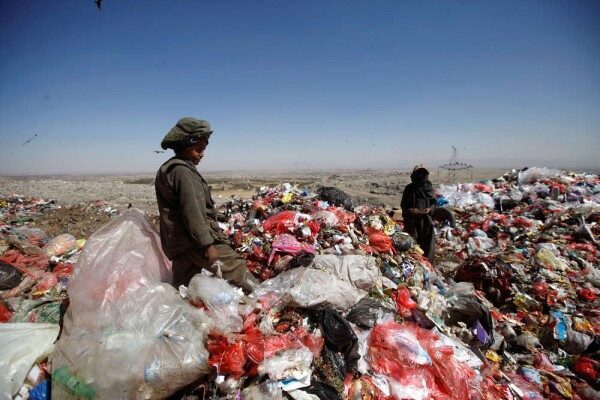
(63, 379)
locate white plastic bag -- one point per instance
(329, 219)
(360, 271)
(125, 334)
(21, 345)
(308, 288)
(535, 174)
(288, 364)
(221, 299)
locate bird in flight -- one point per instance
(29, 140)
(159, 151)
(98, 4)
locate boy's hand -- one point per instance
(212, 254)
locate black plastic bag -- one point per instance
(442, 214)
(340, 337)
(10, 277)
(323, 391)
(335, 196)
(402, 241)
(364, 313)
(302, 259)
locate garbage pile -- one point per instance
(348, 307)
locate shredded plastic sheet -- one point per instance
(308, 288)
(21, 345)
(126, 335)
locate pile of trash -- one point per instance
(348, 307)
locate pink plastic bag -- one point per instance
(287, 243)
(281, 222)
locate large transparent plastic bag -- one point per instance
(126, 335)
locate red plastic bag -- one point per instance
(584, 367)
(228, 358)
(404, 303)
(293, 340)
(452, 376)
(5, 313)
(281, 222)
(380, 242)
(415, 360)
(63, 270)
(345, 218)
(47, 282)
(394, 348)
(25, 263)
(254, 340)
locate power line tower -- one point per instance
(454, 166)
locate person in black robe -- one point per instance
(418, 201)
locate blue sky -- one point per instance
(289, 85)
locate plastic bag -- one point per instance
(281, 222)
(288, 364)
(361, 271)
(367, 312)
(394, 343)
(10, 277)
(547, 259)
(535, 174)
(335, 196)
(402, 241)
(21, 345)
(60, 245)
(5, 313)
(119, 258)
(125, 334)
(48, 281)
(308, 288)
(40, 392)
(380, 242)
(287, 243)
(228, 358)
(340, 337)
(326, 218)
(404, 302)
(221, 299)
(292, 340)
(268, 390)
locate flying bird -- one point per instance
(98, 4)
(29, 140)
(159, 151)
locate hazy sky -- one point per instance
(299, 84)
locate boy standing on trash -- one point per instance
(189, 232)
(417, 203)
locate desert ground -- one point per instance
(381, 187)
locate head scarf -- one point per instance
(420, 180)
(186, 133)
